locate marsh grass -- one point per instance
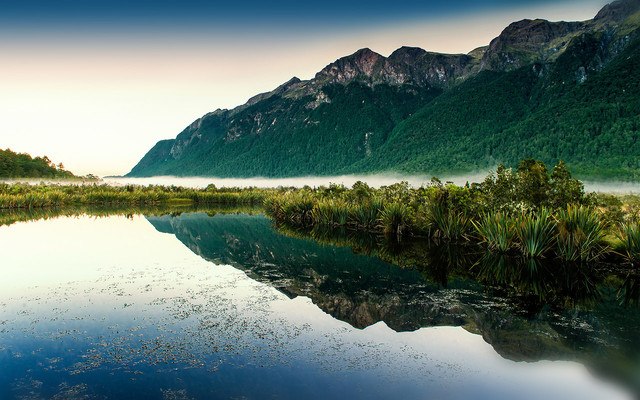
(448, 224)
(24, 196)
(580, 234)
(629, 235)
(395, 218)
(535, 233)
(331, 213)
(496, 231)
(366, 215)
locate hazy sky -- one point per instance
(94, 84)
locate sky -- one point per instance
(95, 84)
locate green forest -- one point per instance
(22, 165)
(582, 106)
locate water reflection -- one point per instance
(111, 308)
(527, 309)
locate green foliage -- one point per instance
(331, 213)
(395, 218)
(535, 233)
(563, 189)
(366, 215)
(20, 165)
(14, 196)
(448, 224)
(531, 187)
(580, 234)
(283, 136)
(629, 235)
(497, 231)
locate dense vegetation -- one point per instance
(285, 137)
(529, 212)
(21, 165)
(581, 106)
(505, 117)
(21, 196)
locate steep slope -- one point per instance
(540, 89)
(583, 108)
(318, 126)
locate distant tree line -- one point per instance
(22, 165)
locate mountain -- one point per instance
(541, 89)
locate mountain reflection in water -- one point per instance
(527, 310)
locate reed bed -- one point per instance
(24, 196)
(576, 233)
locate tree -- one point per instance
(533, 182)
(564, 189)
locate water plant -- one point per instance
(629, 235)
(366, 215)
(448, 224)
(330, 213)
(395, 218)
(580, 234)
(535, 233)
(497, 231)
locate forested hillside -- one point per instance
(546, 90)
(21, 165)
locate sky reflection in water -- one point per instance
(112, 308)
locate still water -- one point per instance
(200, 306)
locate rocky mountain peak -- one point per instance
(618, 11)
(531, 34)
(407, 55)
(363, 62)
(527, 41)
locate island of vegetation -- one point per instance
(527, 212)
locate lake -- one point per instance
(201, 305)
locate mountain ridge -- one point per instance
(352, 106)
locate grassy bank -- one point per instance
(25, 196)
(531, 213)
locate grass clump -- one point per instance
(395, 218)
(580, 234)
(535, 233)
(629, 235)
(497, 231)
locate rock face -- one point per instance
(618, 11)
(528, 41)
(352, 107)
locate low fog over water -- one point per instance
(347, 180)
(614, 187)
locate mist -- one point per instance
(374, 180)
